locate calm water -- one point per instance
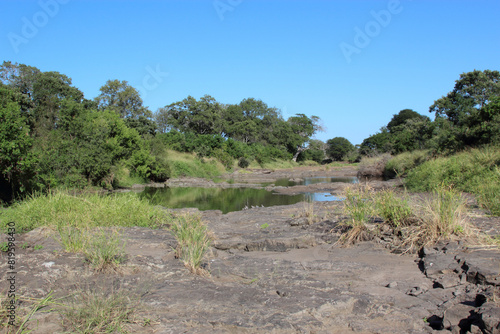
(314, 180)
(235, 199)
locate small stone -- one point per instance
(392, 285)
(415, 291)
(48, 264)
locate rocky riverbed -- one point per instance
(279, 270)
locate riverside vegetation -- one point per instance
(55, 145)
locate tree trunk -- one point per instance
(300, 149)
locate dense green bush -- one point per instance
(243, 162)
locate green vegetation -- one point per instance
(27, 307)
(444, 213)
(4, 246)
(476, 171)
(359, 207)
(89, 311)
(51, 136)
(468, 116)
(393, 208)
(401, 164)
(339, 148)
(60, 208)
(193, 241)
(420, 222)
(103, 249)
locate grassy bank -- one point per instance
(89, 210)
(475, 171)
(90, 224)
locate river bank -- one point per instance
(278, 270)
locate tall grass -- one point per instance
(188, 164)
(374, 166)
(401, 164)
(393, 208)
(193, 241)
(476, 171)
(359, 207)
(87, 210)
(102, 248)
(444, 213)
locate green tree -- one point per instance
(377, 143)
(401, 118)
(123, 99)
(465, 106)
(338, 148)
(16, 162)
(413, 134)
(42, 94)
(302, 128)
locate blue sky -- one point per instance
(353, 63)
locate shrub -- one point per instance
(243, 162)
(374, 166)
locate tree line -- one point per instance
(51, 135)
(468, 116)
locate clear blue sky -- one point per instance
(300, 56)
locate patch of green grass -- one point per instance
(393, 208)
(188, 164)
(102, 248)
(264, 226)
(475, 171)
(444, 213)
(193, 241)
(26, 308)
(358, 205)
(89, 312)
(83, 211)
(4, 246)
(400, 164)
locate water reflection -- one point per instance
(226, 200)
(235, 199)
